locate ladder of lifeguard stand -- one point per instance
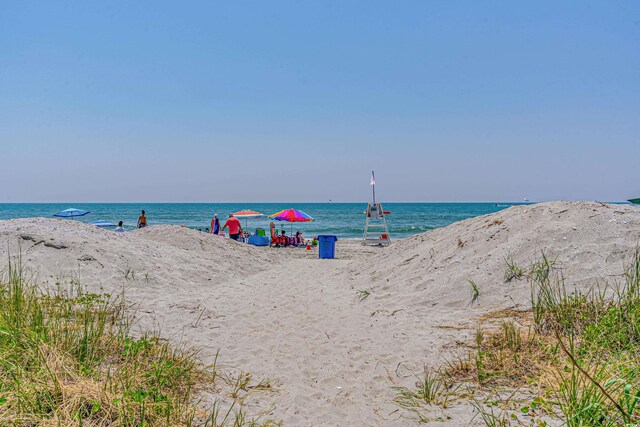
(376, 231)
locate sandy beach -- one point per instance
(332, 337)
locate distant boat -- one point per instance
(635, 201)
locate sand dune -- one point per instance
(286, 316)
(589, 240)
(160, 259)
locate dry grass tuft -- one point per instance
(511, 356)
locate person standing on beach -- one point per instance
(235, 228)
(215, 224)
(142, 220)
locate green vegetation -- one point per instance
(574, 359)
(363, 294)
(475, 292)
(582, 352)
(128, 273)
(66, 358)
(433, 387)
(513, 271)
(491, 415)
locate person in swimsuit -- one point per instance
(215, 224)
(142, 220)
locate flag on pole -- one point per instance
(373, 179)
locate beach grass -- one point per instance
(513, 270)
(491, 415)
(67, 358)
(475, 291)
(433, 388)
(576, 361)
(582, 351)
(363, 294)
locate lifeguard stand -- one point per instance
(376, 231)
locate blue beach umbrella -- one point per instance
(71, 212)
(103, 224)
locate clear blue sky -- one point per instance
(299, 101)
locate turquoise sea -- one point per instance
(345, 220)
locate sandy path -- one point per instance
(336, 365)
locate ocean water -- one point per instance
(344, 220)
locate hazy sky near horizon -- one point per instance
(299, 101)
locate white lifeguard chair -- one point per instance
(376, 231)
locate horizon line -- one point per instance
(311, 202)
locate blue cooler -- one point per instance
(258, 240)
(327, 246)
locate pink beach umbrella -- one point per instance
(292, 215)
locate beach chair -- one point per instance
(261, 232)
